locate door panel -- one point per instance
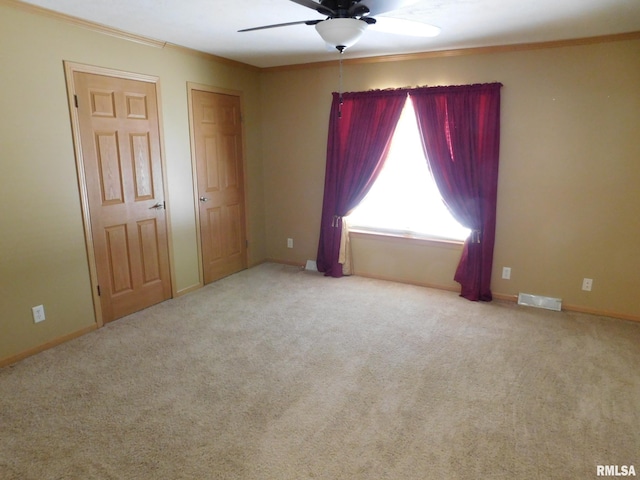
(120, 141)
(109, 167)
(142, 172)
(214, 240)
(234, 222)
(118, 259)
(217, 133)
(149, 250)
(211, 164)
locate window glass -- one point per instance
(405, 199)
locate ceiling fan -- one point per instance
(347, 20)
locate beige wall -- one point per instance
(42, 249)
(568, 197)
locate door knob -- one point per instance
(158, 206)
(204, 199)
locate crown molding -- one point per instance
(519, 47)
(78, 22)
(121, 34)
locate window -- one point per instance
(405, 199)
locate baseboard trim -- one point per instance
(284, 262)
(577, 309)
(188, 289)
(47, 345)
(504, 297)
(601, 313)
(255, 263)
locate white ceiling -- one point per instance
(211, 25)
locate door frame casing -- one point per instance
(69, 69)
(191, 86)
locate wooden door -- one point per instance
(120, 142)
(217, 132)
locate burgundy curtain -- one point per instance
(360, 129)
(460, 129)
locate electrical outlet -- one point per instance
(38, 314)
(506, 273)
(289, 242)
(587, 284)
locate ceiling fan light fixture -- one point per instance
(341, 32)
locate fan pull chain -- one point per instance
(340, 86)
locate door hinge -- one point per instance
(75, 100)
(99, 294)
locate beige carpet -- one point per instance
(276, 373)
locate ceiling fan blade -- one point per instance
(264, 27)
(315, 6)
(376, 7)
(400, 26)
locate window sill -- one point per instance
(405, 237)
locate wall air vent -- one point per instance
(549, 303)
